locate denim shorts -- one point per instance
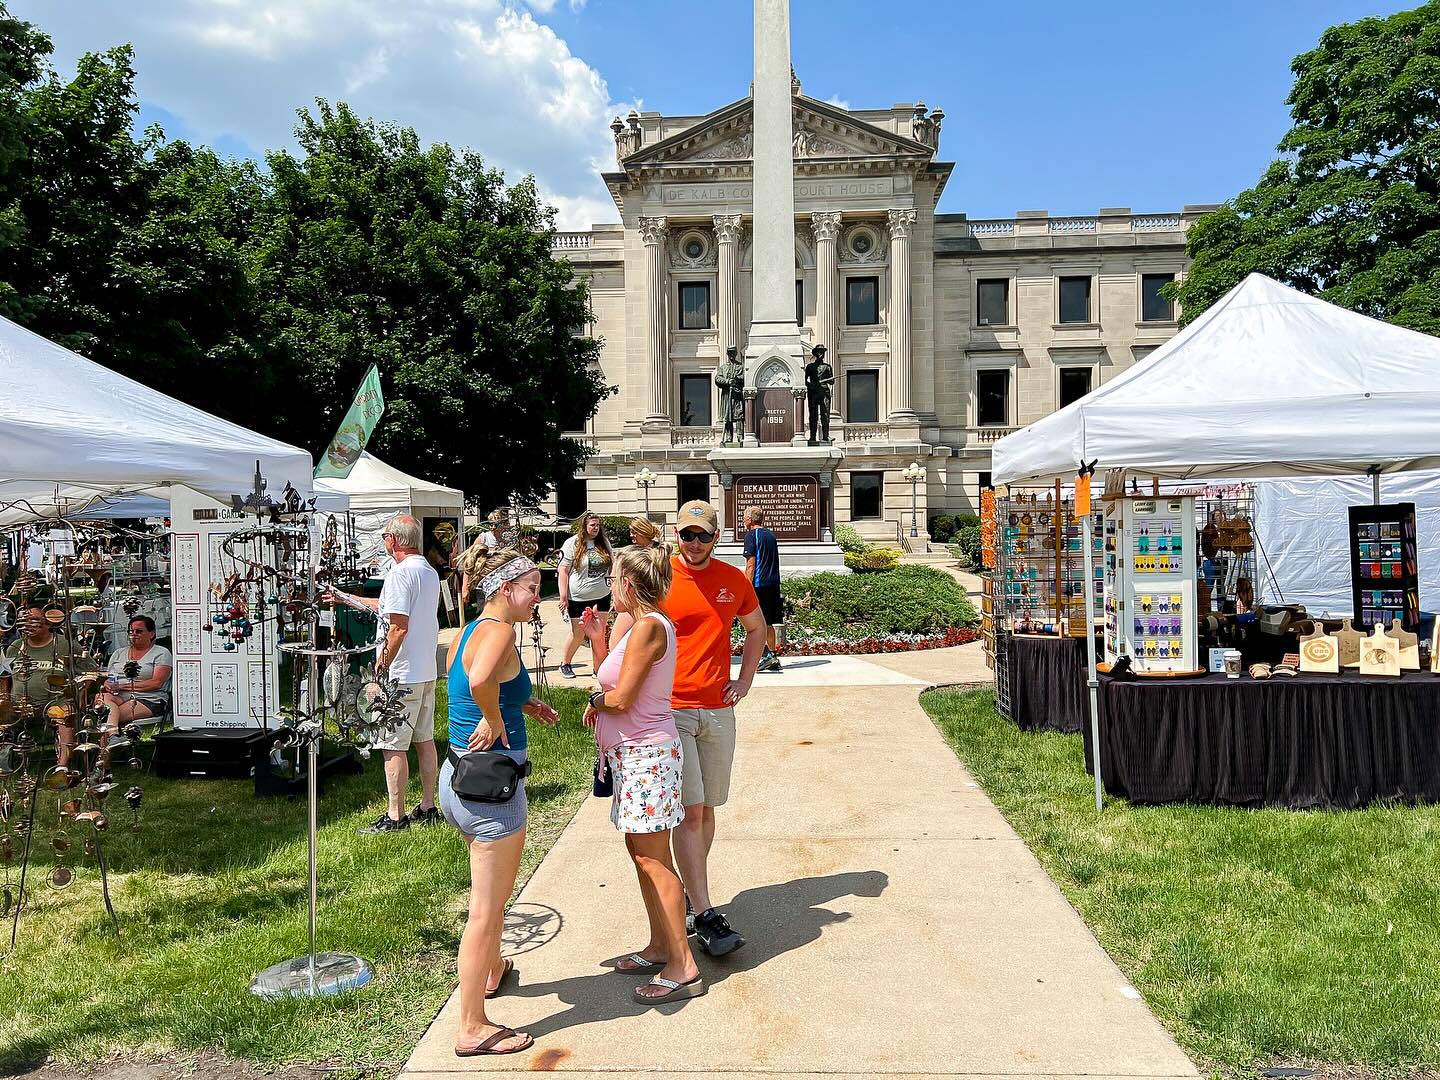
(484, 821)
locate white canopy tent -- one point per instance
(71, 426)
(1269, 382)
(377, 492)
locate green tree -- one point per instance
(1351, 212)
(23, 50)
(375, 249)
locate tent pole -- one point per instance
(1087, 541)
(1374, 472)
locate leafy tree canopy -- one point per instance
(1351, 212)
(263, 295)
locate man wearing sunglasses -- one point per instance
(706, 596)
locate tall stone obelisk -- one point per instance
(773, 330)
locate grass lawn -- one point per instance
(1256, 936)
(213, 888)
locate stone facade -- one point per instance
(932, 365)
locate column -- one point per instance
(727, 239)
(826, 224)
(657, 329)
(901, 222)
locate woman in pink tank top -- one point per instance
(636, 732)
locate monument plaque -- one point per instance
(791, 504)
(775, 415)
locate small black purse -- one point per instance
(484, 776)
(604, 782)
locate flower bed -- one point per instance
(882, 643)
(898, 610)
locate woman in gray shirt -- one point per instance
(585, 562)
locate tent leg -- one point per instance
(1088, 543)
(1375, 485)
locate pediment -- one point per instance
(822, 132)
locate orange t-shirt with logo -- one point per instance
(703, 604)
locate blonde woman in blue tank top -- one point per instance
(489, 699)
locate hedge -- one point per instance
(912, 600)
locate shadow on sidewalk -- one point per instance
(775, 919)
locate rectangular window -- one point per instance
(1153, 306)
(992, 397)
(862, 301)
(799, 303)
(1074, 383)
(992, 302)
(862, 397)
(694, 400)
(570, 497)
(694, 305)
(1075, 300)
(865, 491)
(690, 486)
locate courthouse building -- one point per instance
(945, 332)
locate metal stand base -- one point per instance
(333, 973)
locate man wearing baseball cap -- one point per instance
(705, 598)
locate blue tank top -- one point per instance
(465, 714)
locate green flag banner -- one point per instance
(355, 430)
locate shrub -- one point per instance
(942, 527)
(617, 531)
(873, 561)
(967, 543)
(904, 600)
(850, 541)
(966, 521)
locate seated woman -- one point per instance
(138, 686)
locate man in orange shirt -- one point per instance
(705, 598)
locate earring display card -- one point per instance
(1384, 571)
(1149, 554)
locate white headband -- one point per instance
(491, 582)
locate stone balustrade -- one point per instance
(863, 433)
(570, 241)
(987, 435)
(695, 436)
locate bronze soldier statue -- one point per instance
(819, 386)
(731, 379)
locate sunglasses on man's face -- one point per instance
(695, 536)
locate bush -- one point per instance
(874, 560)
(967, 545)
(942, 527)
(966, 521)
(850, 541)
(903, 600)
(617, 531)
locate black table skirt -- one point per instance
(1047, 683)
(1311, 742)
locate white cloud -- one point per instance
(482, 74)
(838, 102)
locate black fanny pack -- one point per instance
(484, 776)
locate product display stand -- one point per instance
(315, 974)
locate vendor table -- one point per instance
(1308, 742)
(1047, 683)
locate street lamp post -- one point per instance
(646, 479)
(914, 473)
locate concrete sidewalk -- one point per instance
(897, 926)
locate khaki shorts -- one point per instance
(707, 739)
(419, 725)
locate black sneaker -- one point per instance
(770, 662)
(425, 817)
(716, 936)
(385, 823)
(689, 917)
(567, 671)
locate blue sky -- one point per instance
(1049, 105)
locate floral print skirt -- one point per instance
(647, 787)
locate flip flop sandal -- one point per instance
(488, 1046)
(637, 963)
(1259, 671)
(673, 991)
(508, 970)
